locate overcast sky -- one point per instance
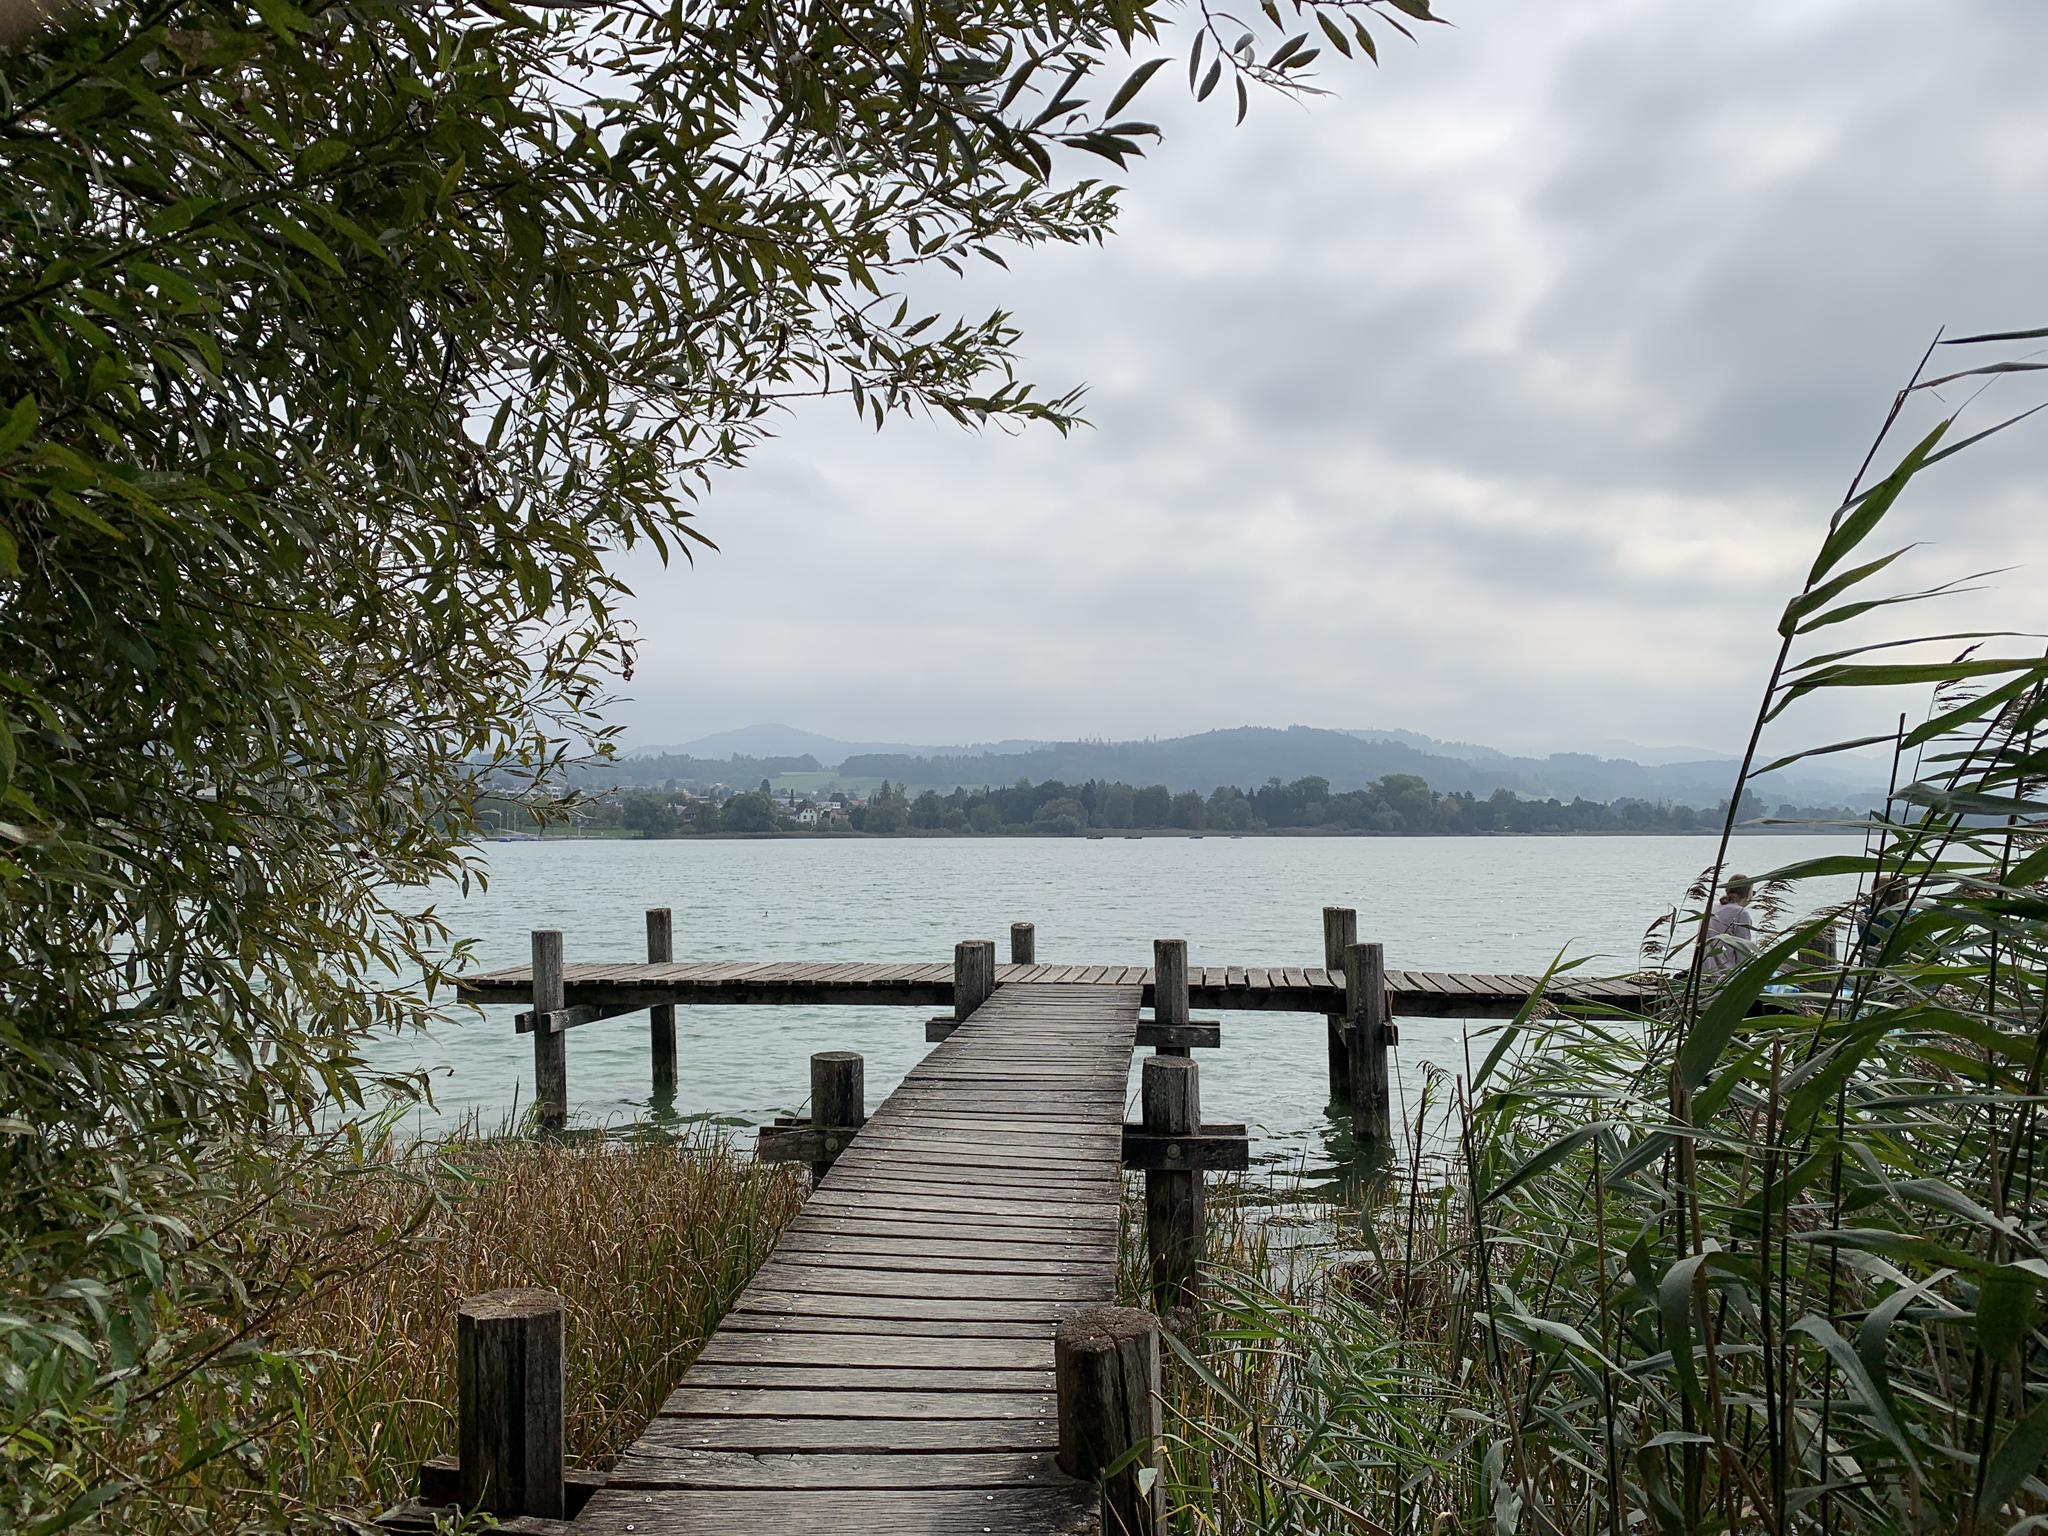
(1500, 396)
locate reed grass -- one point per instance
(1771, 1255)
(648, 1241)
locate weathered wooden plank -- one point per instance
(938, 1258)
(685, 1467)
(920, 1228)
(1000, 1163)
(952, 1203)
(746, 1432)
(989, 1284)
(895, 1351)
(782, 1377)
(689, 1401)
(1040, 1202)
(1068, 1509)
(1037, 1130)
(781, 1301)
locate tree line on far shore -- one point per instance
(1397, 805)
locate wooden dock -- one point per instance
(602, 990)
(931, 1346)
(890, 1368)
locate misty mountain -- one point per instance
(1252, 755)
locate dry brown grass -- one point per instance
(648, 1242)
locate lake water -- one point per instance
(1476, 904)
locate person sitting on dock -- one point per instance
(1730, 933)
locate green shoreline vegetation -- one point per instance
(1398, 805)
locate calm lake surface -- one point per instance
(1479, 904)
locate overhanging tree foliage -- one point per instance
(339, 346)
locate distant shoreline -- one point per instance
(623, 835)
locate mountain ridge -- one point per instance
(1248, 755)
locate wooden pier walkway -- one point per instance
(890, 1368)
(602, 990)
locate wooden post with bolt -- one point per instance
(1340, 932)
(1170, 988)
(1170, 1105)
(1023, 944)
(974, 975)
(550, 1050)
(1365, 999)
(838, 1104)
(1106, 1376)
(661, 1027)
(508, 1362)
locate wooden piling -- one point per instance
(1340, 932)
(550, 1049)
(1106, 1374)
(661, 1025)
(1023, 944)
(838, 1103)
(508, 1362)
(1170, 988)
(1170, 1104)
(974, 974)
(1369, 1035)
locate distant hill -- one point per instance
(1251, 755)
(1245, 757)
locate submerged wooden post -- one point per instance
(1170, 1104)
(1106, 1375)
(974, 974)
(1170, 988)
(550, 1052)
(839, 1103)
(508, 1364)
(1365, 997)
(661, 1027)
(1340, 932)
(1023, 944)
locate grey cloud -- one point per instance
(1510, 387)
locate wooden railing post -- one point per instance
(974, 974)
(1106, 1376)
(1340, 932)
(508, 1363)
(1023, 944)
(550, 1052)
(661, 1026)
(1365, 998)
(838, 1102)
(1170, 988)
(1170, 1104)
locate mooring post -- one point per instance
(1170, 1104)
(1023, 944)
(661, 1026)
(508, 1365)
(550, 1050)
(974, 974)
(1170, 988)
(1340, 932)
(1365, 997)
(1106, 1376)
(838, 1103)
